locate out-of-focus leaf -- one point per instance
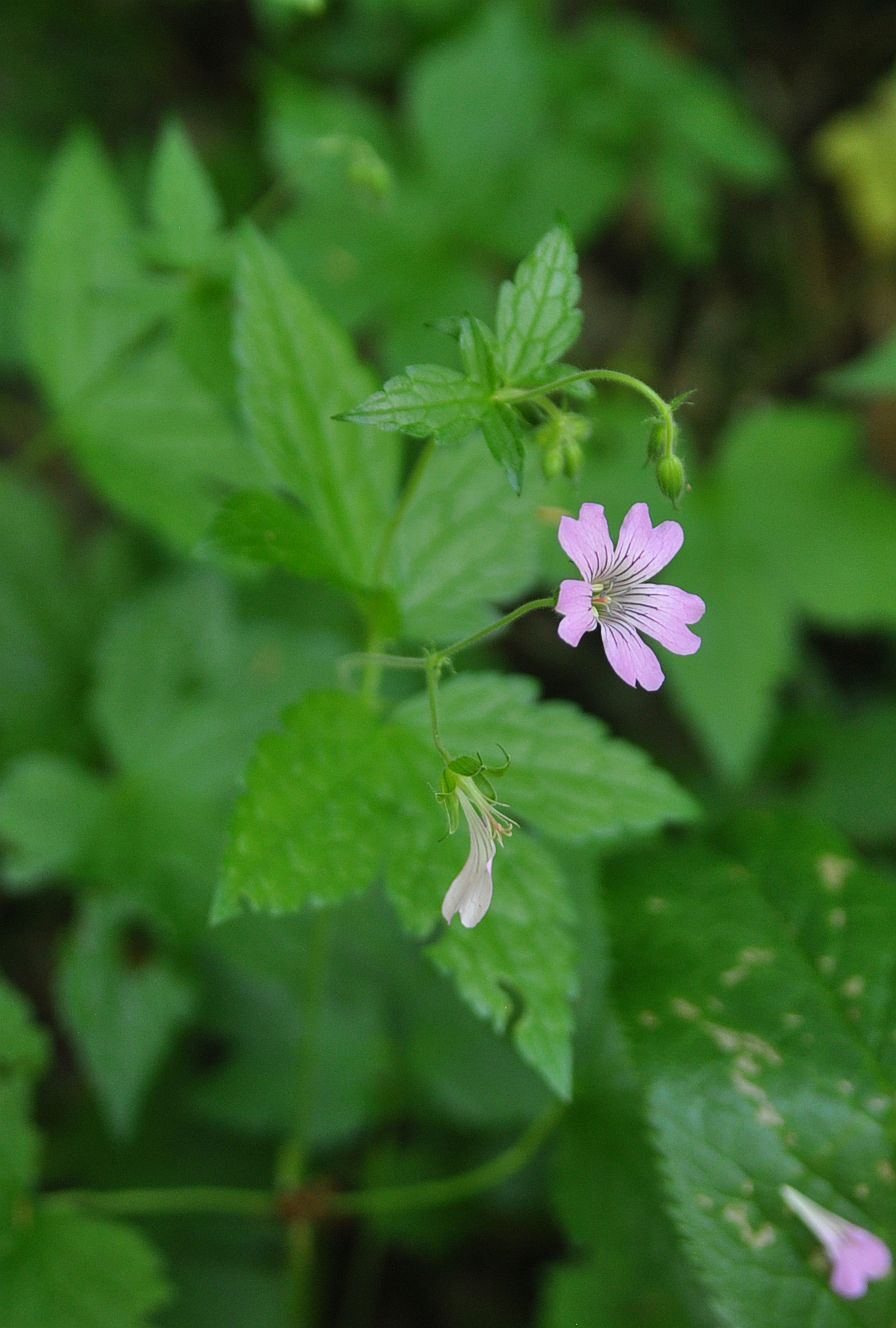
(851, 784)
(70, 1271)
(756, 984)
(159, 446)
(50, 808)
(264, 528)
(23, 1055)
(123, 1007)
(518, 969)
(855, 149)
(43, 617)
(298, 371)
(86, 298)
(817, 544)
(182, 203)
(476, 102)
(872, 374)
(485, 554)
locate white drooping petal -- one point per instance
(470, 893)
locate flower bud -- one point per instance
(573, 456)
(656, 442)
(670, 477)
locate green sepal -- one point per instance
(466, 765)
(485, 786)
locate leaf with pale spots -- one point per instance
(758, 1071)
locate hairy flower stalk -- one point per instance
(470, 893)
(857, 1256)
(617, 596)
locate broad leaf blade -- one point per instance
(298, 372)
(566, 776)
(426, 401)
(122, 1007)
(86, 299)
(755, 1078)
(71, 1271)
(182, 202)
(312, 826)
(504, 435)
(538, 313)
(264, 528)
(523, 951)
(486, 552)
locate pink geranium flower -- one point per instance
(617, 595)
(857, 1257)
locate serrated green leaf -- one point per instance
(264, 528)
(426, 401)
(86, 299)
(566, 776)
(70, 1271)
(766, 1061)
(313, 824)
(485, 554)
(123, 1010)
(298, 371)
(522, 954)
(504, 434)
(182, 203)
(538, 313)
(49, 809)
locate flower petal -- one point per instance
(634, 661)
(663, 612)
(574, 597)
(575, 625)
(587, 540)
(470, 893)
(642, 550)
(861, 1257)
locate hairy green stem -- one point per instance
(516, 395)
(291, 1161)
(434, 667)
(435, 1193)
(546, 602)
(267, 1204)
(221, 1200)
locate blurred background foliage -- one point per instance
(729, 176)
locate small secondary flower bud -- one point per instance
(670, 477)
